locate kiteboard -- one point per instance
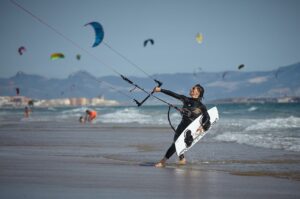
(190, 136)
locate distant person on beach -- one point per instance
(193, 107)
(27, 112)
(90, 115)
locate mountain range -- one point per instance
(284, 81)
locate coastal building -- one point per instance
(21, 101)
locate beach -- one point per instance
(70, 160)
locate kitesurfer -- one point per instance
(192, 108)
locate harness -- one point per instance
(183, 112)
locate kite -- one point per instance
(78, 57)
(55, 56)
(241, 66)
(99, 32)
(21, 50)
(148, 40)
(199, 38)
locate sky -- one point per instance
(262, 35)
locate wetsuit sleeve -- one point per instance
(172, 94)
(205, 122)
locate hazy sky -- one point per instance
(262, 34)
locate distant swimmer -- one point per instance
(90, 115)
(27, 112)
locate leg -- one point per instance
(168, 154)
(172, 148)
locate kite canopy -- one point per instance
(21, 50)
(199, 38)
(241, 66)
(99, 32)
(147, 41)
(55, 56)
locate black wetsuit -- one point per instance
(192, 108)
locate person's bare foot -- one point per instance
(182, 161)
(161, 164)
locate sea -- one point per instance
(251, 138)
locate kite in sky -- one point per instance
(99, 32)
(21, 50)
(148, 41)
(199, 38)
(55, 56)
(241, 66)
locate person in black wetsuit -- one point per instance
(192, 108)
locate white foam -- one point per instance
(275, 123)
(126, 115)
(51, 109)
(75, 110)
(71, 113)
(139, 116)
(252, 108)
(261, 140)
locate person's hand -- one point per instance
(156, 89)
(200, 130)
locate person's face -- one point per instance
(194, 92)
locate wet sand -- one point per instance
(90, 163)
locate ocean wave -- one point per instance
(80, 110)
(129, 115)
(51, 109)
(252, 108)
(275, 123)
(70, 114)
(269, 140)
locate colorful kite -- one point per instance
(55, 56)
(199, 38)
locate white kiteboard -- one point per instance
(191, 130)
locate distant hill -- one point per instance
(284, 81)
